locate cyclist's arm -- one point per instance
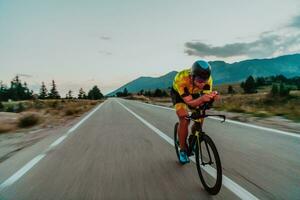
(199, 101)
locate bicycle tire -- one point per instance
(214, 189)
(176, 140)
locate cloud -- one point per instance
(266, 45)
(107, 53)
(25, 75)
(295, 22)
(105, 37)
(269, 43)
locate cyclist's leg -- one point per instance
(182, 112)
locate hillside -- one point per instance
(148, 83)
(288, 65)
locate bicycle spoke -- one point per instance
(208, 151)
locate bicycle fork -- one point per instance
(198, 136)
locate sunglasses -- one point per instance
(199, 79)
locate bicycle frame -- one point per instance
(205, 155)
(198, 117)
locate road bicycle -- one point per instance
(199, 143)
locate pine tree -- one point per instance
(164, 93)
(125, 92)
(249, 86)
(3, 92)
(53, 94)
(69, 95)
(81, 94)
(141, 92)
(157, 93)
(284, 90)
(95, 93)
(43, 91)
(230, 90)
(17, 91)
(274, 91)
(28, 93)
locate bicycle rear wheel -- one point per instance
(176, 140)
(209, 165)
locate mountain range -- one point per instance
(222, 72)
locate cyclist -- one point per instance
(191, 88)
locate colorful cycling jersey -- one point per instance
(184, 86)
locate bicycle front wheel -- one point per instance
(176, 140)
(208, 165)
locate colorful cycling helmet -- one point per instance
(201, 70)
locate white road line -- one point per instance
(17, 175)
(238, 123)
(58, 141)
(21, 172)
(231, 185)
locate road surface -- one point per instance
(122, 150)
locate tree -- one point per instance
(164, 93)
(280, 79)
(15, 90)
(43, 91)
(274, 91)
(69, 95)
(95, 93)
(141, 92)
(81, 94)
(1, 107)
(125, 92)
(18, 91)
(53, 94)
(284, 90)
(249, 86)
(3, 92)
(260, 81)
(157, 93)
(231, 90)
(148, 93)
(119, 94)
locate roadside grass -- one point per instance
(42, 113)
(138, 97)
(261, 105)
(4, 128)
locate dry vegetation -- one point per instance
(260, 104)
(42, 113)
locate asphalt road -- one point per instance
(112, 154)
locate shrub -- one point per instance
(39, 104)
(236, 109)
(10, 108)
(28, 120)
(54, 104)
(93, 103)
(261, 114)
(274, 91)
(249, 85)
(230, 90)
(72, 111)
(1, 106)
(20, 107)
(284, 90)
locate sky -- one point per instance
(82, 43)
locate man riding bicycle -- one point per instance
(191, 88)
